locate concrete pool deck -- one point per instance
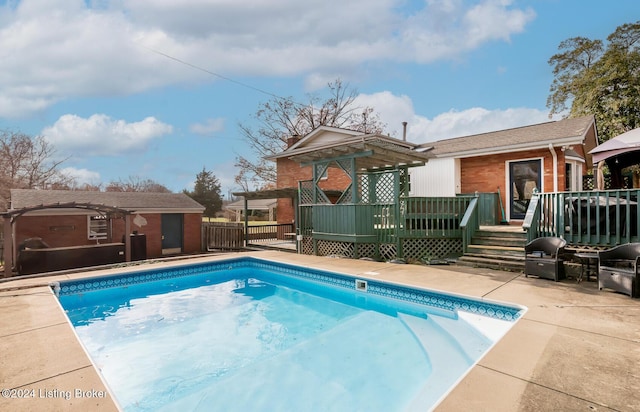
(576, 348)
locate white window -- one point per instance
(97, 227)
(573, 176)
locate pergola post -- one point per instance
(127, 237)
(8, 247)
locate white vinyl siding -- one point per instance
(439, 177)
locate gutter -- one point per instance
(555, 167)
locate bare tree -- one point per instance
(28, 163)
(281, 118)
(136, 184)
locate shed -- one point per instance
(170, 222)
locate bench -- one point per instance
(544, 258)
(618, 269)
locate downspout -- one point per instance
(555, 167)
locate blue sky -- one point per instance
(82, 74)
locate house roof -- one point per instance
(371, 151)
(565, 132)
(131, 201)
(253, 204)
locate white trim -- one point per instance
(507, 183)
(512, 148)
(554, 155)
(97, 235)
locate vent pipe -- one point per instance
(404, 131)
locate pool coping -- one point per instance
(575, 347)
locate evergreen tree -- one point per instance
(206, 191)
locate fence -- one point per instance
(232, 236)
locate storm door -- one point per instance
(171, 233)
(524, 179)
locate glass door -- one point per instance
(524, 178)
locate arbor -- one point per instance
(281, 118)
(206, 191)
(603, 81)
(28, 163)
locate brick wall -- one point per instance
(192, 233)
(71, 230)
(488, 173)
(290, 173)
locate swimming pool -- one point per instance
(250, 334)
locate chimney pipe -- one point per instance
(404, 131)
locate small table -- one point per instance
(290, 235)
(587, 258)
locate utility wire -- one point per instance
(193, 66)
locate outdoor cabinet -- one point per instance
(618, 269)
(544, 258)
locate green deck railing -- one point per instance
(411, 217)
(596, 218)
(432, 217)
(470, 224)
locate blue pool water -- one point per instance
(247, 334)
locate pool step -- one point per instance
(369, 353)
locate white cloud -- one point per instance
(394, 110)
(101, 135)
(82, 176)
(52, 50)
(209, 127)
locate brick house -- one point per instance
(547, 157)
(170, 222)
(551, 157)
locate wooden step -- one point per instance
(499, 241)
(491, 263)
(496, 251)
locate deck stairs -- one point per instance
(496, 247)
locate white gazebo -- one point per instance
(238, 207)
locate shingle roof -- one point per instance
(132, 201)
(519, 138)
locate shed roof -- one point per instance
(131, 201)
(558, 133)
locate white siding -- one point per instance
(439, 177)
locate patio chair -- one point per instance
(544, 258)
(618, 269)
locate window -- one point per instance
(573, 176)
(97, 227)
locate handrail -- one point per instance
(469, 224)
(531, 223)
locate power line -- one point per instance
(193, 66)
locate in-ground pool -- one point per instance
(249, 334)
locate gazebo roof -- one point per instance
(371, 152)
(283, 193)
(254, 204)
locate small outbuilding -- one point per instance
(156, 224)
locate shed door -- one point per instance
(524, 178)
(171, 233)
